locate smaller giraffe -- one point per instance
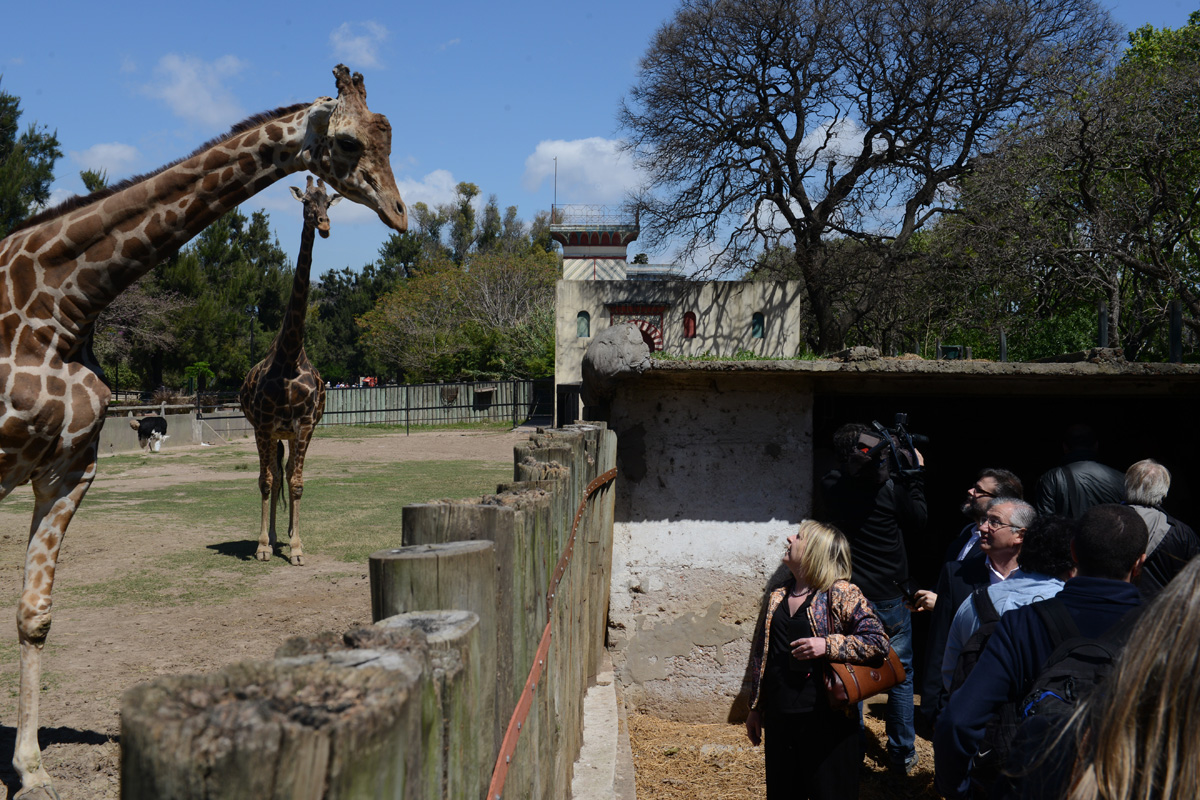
(283, 395)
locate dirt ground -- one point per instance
(94, 654)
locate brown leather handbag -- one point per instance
(847, 684)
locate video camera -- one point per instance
(893, 449)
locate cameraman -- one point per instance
(876, 501)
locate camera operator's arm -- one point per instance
(909, 491)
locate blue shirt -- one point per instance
(1019, 589)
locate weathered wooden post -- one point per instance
(342, 727)
(463, 666)
(447, 575)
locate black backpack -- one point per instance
(1014, 739)
(988, 617)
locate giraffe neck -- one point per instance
(289, 344)
(71, 266)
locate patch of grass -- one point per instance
(349, 510)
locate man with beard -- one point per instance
(990, 484)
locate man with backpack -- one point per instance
(1044, 563)
(1109, 548)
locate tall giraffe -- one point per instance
(62, 267)
(283, 395)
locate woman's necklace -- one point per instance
(793, 593)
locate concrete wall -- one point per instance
(715, 471)
(723, 312)
(117, 437)
(719, 460)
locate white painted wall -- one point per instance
(715, 472)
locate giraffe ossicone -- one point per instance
(61, 268)
(283, 395)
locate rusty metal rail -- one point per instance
(508, 746)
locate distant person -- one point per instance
(1136, 736)
(1043, 565)
(1081, 481)
(811, 750)
(1109, 548)
(990, 484)
(1172, 543)
(877, 507)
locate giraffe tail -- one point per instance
(283, 493)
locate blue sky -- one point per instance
(483, 92)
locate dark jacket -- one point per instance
(1008, 666)
(1076, 486)
(875, 518)
(955, 584)
(960, 541)
(1176, 546)
(858, 637)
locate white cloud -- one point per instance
(841, 140)
(433, 190)
(115, 158)
(592, 170)
(449, 44)
(357, 43)
(195, 90)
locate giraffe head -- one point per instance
(350, 146)
(316, 205)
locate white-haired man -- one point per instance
(1172, 543)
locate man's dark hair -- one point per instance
(845, 440)
(1109, 539)
(1007, 484)
(1047, 546)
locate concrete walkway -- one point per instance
(604, 770)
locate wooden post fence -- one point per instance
(490, 618)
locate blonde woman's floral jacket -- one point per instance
(858, 636)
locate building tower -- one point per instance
(594, 241)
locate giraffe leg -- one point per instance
(57, 499)
(295, 478)
(268, 486)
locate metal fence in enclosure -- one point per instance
(511, 402)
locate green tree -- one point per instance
(805, 123)
(1096, 199)
(461, 214)
(494, 320)
(26, 165)
(333, 338)
(236, 279)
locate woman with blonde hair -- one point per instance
(1137, 736)
(812, 750)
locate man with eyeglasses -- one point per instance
(990, 484)
(1109, 549)
(1000, 535)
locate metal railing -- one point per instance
(587, 214)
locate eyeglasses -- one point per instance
(975, 490)
(992, 522)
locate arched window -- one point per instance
(583, 325)
(757, 325)
(689, 325)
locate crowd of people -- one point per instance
(1063, 632)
